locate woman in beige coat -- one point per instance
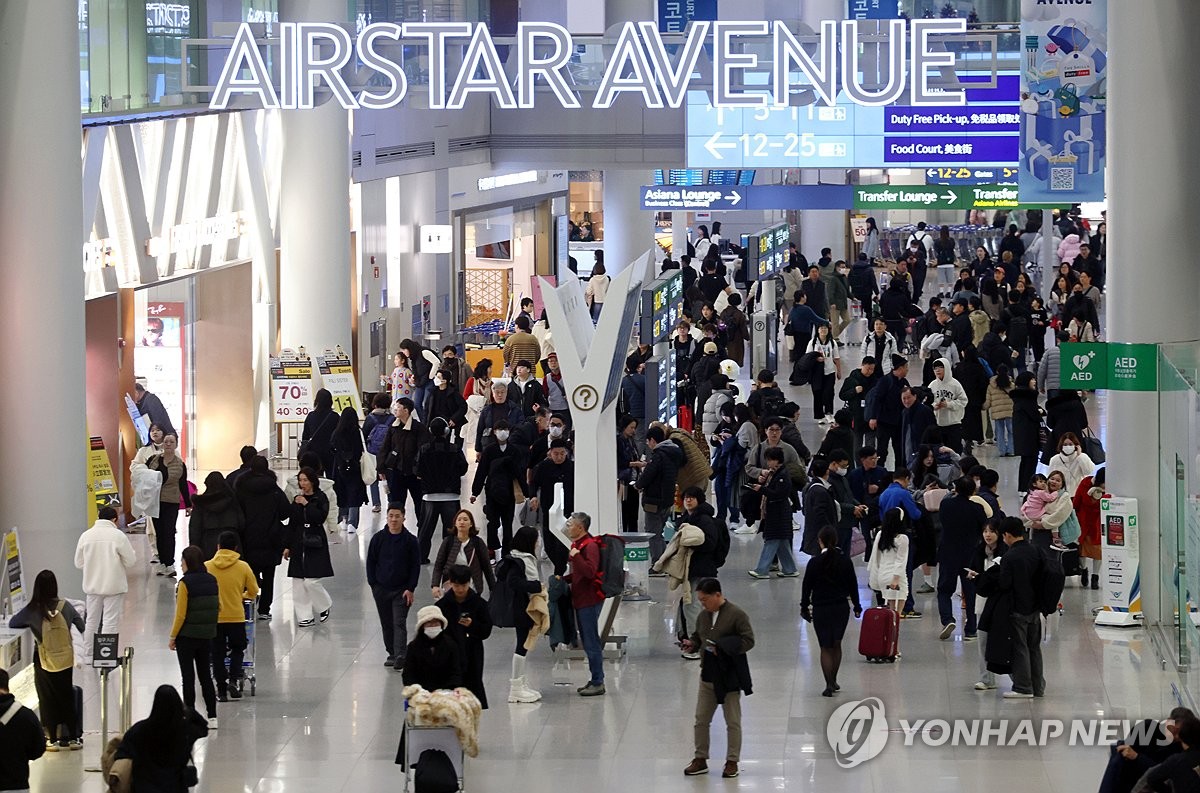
(999, 406)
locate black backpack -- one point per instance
(772, 403)
(434, 773)
(806, 366)
(500, 604)
(612, 564)
(1048, 587)
(721, 551)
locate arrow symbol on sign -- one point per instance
(950, 197)
(735, 197)
(713, 146)
(931, 173)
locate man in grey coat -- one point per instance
(1049, 368)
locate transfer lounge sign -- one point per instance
(1112, 367)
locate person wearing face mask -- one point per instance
(445, 402)
(500, 474)
(440, 466)
(469, 623)
(434, 660)
(1072, 461)
(849, 510)
(837, 287)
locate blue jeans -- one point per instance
(727, 503)
(776, 549)
(588, 619)
(375, 493)
(1004, 435)
(419, 396)
(348, 514)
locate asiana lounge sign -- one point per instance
(316, 56)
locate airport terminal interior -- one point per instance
(821, 395)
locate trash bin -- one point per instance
(637, 565)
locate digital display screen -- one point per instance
(661, 308)
(983, 132)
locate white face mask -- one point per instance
(502, 435)
(439, 382)
(1069, 449)
(433, 631)
(556, 432)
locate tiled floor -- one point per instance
(327, 715)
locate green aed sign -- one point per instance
(1112, 366)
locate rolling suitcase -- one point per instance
(879, 637)
(1068, 557)
(78, 725)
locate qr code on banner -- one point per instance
(1062, 179)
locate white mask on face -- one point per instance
(433, 631)
(556, 432)
(439, 382)
(502, 435)
(1069, 449)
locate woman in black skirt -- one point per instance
(829, 588)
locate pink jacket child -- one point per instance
(1035, 505)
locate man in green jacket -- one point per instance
(838, 290)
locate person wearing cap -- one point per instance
(554, 388)
(434, 660)
(703, 370)
(555, 469)
(960, 323)
(885, 411)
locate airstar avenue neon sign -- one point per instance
(640, 63)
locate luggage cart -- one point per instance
(418, 738)
(250, 608)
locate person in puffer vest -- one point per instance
(197, 607)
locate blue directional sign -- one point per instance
(983, 132)
(1004, 175)
(708, 197)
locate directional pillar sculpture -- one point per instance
(592, 359)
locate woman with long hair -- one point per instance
(999, 406)
(827, 592)
(319, 424)
(887, 572)
(49, 618)
(467, 548)
(597, 287)
(348, 449)
(196, 609)
(825, 374)
(871, 245)
(520, 571)
(213, 512)
(138, 470)
(987, 555)
(307, 550)
(160, 745)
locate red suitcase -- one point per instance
(878, 640)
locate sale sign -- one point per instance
(291, 387)
(337, 375)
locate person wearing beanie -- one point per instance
(434, 660)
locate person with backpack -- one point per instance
(657, 485)
(587, 597)
(706, 559)
(766, 398)
(159, 747)
(375, 430)
(517, 578)
(21, 739)
(50, 619)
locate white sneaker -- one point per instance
(982, 686)
(1016, 695)
(744, 529)
(169, 571)
(212, 722)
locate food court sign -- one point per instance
(831, 61)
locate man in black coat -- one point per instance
(962, 528)
(657, 484)
(960, 324)
(1064, 413)
(1019, 574)
(501, 475)
(469, 623)
(704, 562)
(814, 290)
(398, 457)
(150, 406)
(915, 420)
(884, 410)
(264, 508)
(820, 510)
(555, 469)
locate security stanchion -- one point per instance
(105, 659)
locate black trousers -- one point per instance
(165, 526)
(195, 663)
(265, 575)
(446, 510)
(885, 434)
(557, 552)
(231, 641)
(1027, 470)
(822, 393)
(952, 436)
(499, 514)
(56, 701)
(401, 486)
(630, 510)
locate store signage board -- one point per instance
(1121, 575)
(1109, 366)
(984, 132)
(749, 197)
(639, 62)
(291, 387)
(102, 484)
(14, 576)
(337, 375)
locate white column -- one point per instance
(43, 473)
(679, 234)
(628, 229)
(314, 211)
(821, 228)
(1149, 168)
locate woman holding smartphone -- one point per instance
(986, 556)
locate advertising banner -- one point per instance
(337, 375)
(1122, 582)
(14, 577)
(291, 387)
(158, 359)
(101, 482)
(1064, 101)
(674, 15)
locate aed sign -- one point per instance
(463, 60)
(1112, 366)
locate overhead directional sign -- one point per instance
(990, 196)
(1005, 175)
(710, 197)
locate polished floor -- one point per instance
(327, 713)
